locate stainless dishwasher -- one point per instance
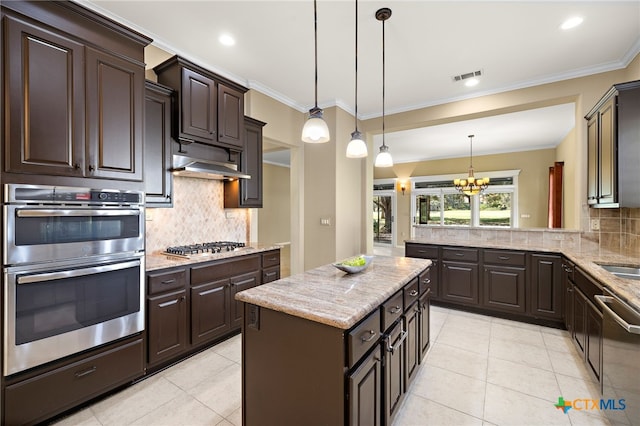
(620, 360)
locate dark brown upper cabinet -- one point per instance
(75, 93)
(210, 108)
(613, 148)
(247, 192)
(158, 179)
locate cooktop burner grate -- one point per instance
(203, 248)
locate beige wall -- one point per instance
(565, 152)
(274, 219)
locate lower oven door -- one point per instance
(64, 308)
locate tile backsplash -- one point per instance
(197, 216)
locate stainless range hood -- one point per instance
(205, 169)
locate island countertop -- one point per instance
(329, 296)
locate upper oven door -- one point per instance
(48, 233)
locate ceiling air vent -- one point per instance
(467, 75)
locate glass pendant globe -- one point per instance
(315, 130)
(357, 148)
(383, 159)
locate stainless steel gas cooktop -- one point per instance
(203, 249)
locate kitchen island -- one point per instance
(323, 347)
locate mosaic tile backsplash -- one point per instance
(197, 216)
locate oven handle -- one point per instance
(59, 212)
(49, 276)
(604, 301)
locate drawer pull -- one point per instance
(569, 290)
(270, 274)
(272, 259)
(413, 293)
(395, 309)
(422, 251)
(459, 254)
(427, 281)
(171, 281)
(504, 257)
(372, 335)
(86, 372)
(403, 337)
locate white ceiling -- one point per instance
(516, 44)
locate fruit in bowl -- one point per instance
(355, 264)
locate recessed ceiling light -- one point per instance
(227, 40)
(471, 82)
(571, 23)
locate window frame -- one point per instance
(474, 199)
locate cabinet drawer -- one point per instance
(164, 281)
(460, 254)
(392, 310)
(245, 264)
(45, 395)
(411, 292)
(270, 274)
(501, 257)
(425, 279)
(271, 258)
(363, 337)
(588, 286)
(420, 250)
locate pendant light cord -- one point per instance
(356, 115)
(471, 151)
(315, 36)
(383, 81)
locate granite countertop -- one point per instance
(155, 261)
(626, 289)
(329, 296)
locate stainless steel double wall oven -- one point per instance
(73, 271)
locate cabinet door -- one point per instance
(247, 192)
(115, 106)
(231, 117)
(460, 282)
(394, 366)
(199, 107)
(592, 159)
(424, 304)
(238, 284)
(45, 107)
(594, 339)
(412, 352)
(580, 320)
(504, 289)
(365, 391)
(608, 167)
(210, 316)
(270, 274)
(546, 286)
(158, 179)
(167, 322)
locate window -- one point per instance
(437, 203)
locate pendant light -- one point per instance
(471, 185)
(383, 159)
(315, 130)
(357, 148)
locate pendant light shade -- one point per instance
(357, 147)
(315, 130)
(383, 159)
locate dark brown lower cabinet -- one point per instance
(238, 284)
(546, 286)
(365, 391)
(594, 339)
(504, 288)
(394, 370)
(412, 319)
(580, 320)
(168, 330)
(425, 319)
(210, 311)
(460, 282)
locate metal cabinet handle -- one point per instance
(395, 309)
(604, 301)
(76, 166)
(392, 349)
(504, 257)
(91, 167)
(459, 254)
(86, 372)
(171, 281)
(372, 335)
(413, 293)
(427, 281)
(569, 290)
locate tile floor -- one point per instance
(479, 370)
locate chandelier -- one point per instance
(471, 185)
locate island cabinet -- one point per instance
(546, 286)
(210, 108)
(362, 360)
(193, 306)
(613, 148)
(83, 117)
(431, 252)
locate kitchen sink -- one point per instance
(629, 272)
